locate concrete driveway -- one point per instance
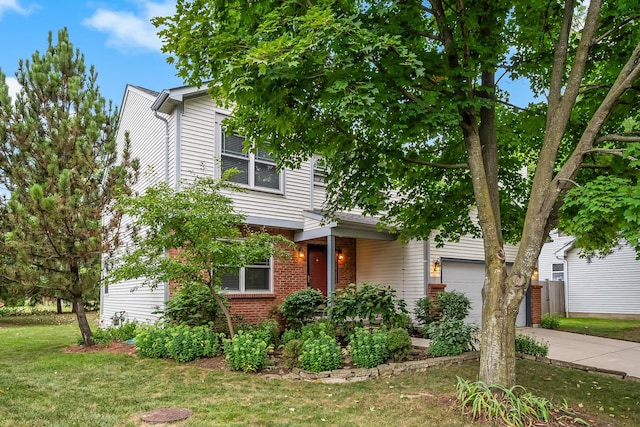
(592, 351)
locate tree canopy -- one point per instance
(404, 100)
(58, 161)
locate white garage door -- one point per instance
(468, 278)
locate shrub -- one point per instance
(351, 307)
(182, 343)
(247, 351)
(549, 322)
(268, 330)
(120, 333)
(288, 335)
(192, 305)
(291, 352)
(301, 307)
(368, 348)
(399, 344)
(185, 343)
(425, 312)
(321, 326)
(150, 342)
(320, 352)
(453, 305)
(451, 338)
(529, 345)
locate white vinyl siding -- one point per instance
(610, 285)
(391, 263)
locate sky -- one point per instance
(114, 35)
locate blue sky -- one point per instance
(114, 35)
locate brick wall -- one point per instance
(536, 304)
(346, 267)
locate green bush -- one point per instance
(150, 342)
(268, 330)
(529, 345)
(453, 305)
(192, 305)
(399, 344)
(425, 312)
(301, 307)
(451, 338)
(247, 351)
(288, 335)
(320, 352)
(549, 322)
(368, 348)
(351, 307)
(291, 352)
(182, 343)
(185, 343)
(321, 326)
(121, 333)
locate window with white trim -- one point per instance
(256, 168)
(249, 279)
(557, 271)
(319, 171)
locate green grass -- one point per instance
(609, 328)
(42, 385)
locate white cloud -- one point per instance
(128, 30)
(14, 86)
(12, 6)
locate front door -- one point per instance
(317, 267)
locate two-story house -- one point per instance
(178, 134)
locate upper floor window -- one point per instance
(256, 168)
(319, 170)
(557, 271)
(252, 278)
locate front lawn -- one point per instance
(42, 385)
(628, 330)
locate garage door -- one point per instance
(468, 278)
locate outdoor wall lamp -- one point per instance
(437, 268)
(340, 255)
(300, 252)
(534, 276)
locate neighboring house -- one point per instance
(177, 135)
(599, 287)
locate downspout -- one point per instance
(166, 177)
(427, 264)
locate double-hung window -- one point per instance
(256, 168)
(252, 278)
(319, 170)
(557, 271)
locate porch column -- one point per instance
(331, 264)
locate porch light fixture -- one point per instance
(340, 255)
(437, 268)
(300, 252)
(534, 276)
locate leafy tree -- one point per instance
(58, 161)
(403, 99)
(209, 237)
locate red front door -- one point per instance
(317, 267)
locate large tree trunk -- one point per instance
(83, 323)
(58, 305)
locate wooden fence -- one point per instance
(552, 295)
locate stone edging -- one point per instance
(339, 376)
(561, 363)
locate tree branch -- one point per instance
(614, 28)
(613, 151)
(436, 165)
(617, 138)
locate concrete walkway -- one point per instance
(603, 353)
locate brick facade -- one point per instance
(536, 304)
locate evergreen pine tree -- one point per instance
(58, 161)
